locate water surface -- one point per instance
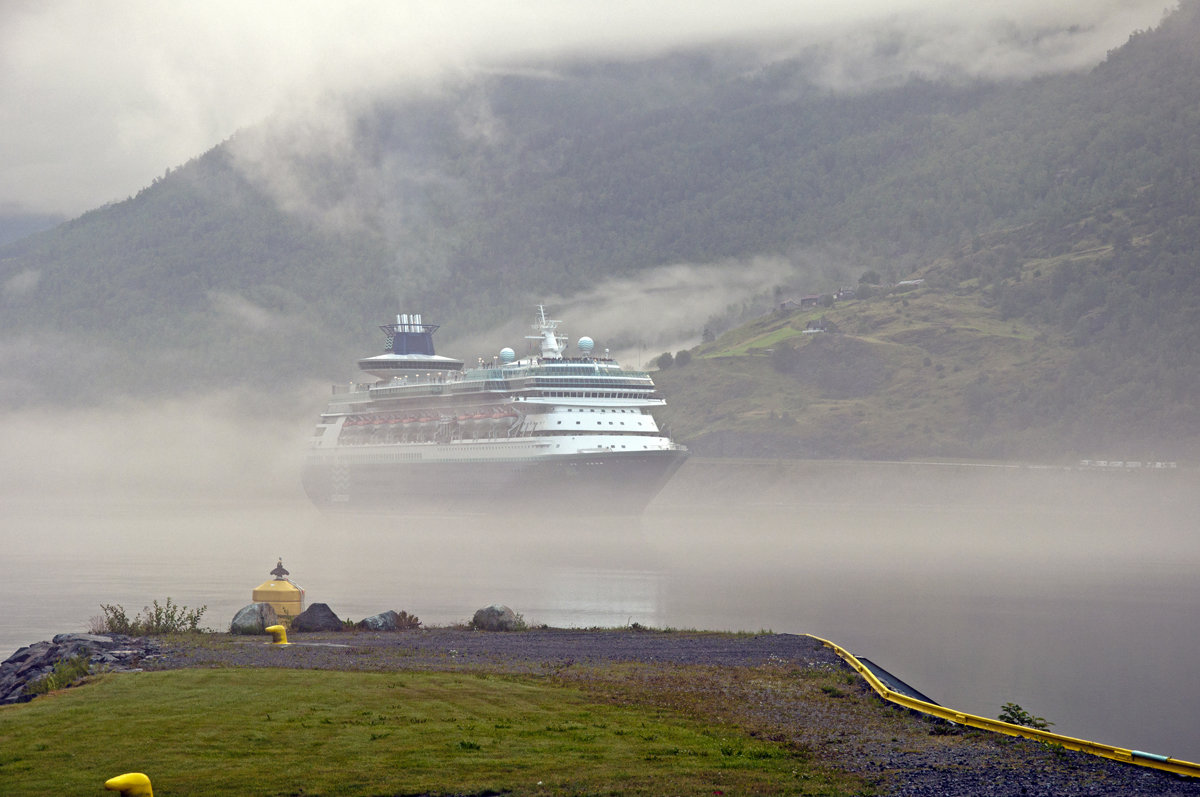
(1073, 594)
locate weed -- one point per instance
(407, 622)
(167, 618)
(1011, 712)
(66, 672)
(943, 728)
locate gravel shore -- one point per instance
(899, 752)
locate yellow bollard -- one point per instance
(131, 784)
(279, 633)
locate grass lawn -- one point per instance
(305, 732)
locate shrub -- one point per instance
(66, 672)
(1013, 713)
(407, 622)
(167, 618)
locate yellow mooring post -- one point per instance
(279, 634)
(131, 784)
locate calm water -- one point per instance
(1074, 594)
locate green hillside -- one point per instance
(923, 373)
(1056, 224)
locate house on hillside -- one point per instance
(813, 301)
(821, 324)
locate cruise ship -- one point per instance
(426, 433)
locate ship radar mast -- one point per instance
(552, 342)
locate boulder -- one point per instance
(497, 618)
(384, 621)
(253, 619)
(317, 617)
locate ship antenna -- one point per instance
(552, 343)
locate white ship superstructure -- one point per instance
(431, 433)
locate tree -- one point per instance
(682, 358)
(665, 360)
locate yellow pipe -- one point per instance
(131, 784)
(1166, 763)
(279, 634)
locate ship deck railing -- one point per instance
(435, 383)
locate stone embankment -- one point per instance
(105, 653)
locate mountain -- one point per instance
(1054, 223)
(15, 226)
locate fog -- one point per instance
(663, 308)
(99, 98)
(222, 446)
(1070, 592)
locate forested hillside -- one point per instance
(1061, 214)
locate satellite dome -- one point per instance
(586, 344)
(507, 355)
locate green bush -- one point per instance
(407, 622)
(65, 673)
(167, 618)
(1011, 712)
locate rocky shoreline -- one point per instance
(746, 675)
(105, 653)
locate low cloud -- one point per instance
(965, 42)
(21, 284)
(662, 309)
(216, 446)
(243, 313)
(99, 98)
(668, 307)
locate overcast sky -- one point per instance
(98, 97)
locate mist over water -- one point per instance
(1071, 593)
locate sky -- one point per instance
(100, 97)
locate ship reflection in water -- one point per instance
(1071, 593)
(602, 598)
